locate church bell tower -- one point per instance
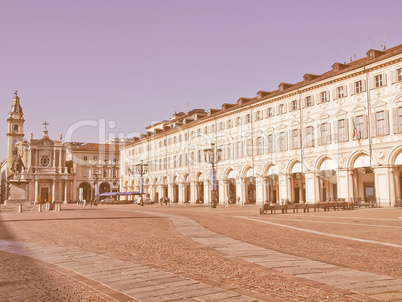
(15, 132)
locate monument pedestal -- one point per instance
(18, 192)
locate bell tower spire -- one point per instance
(15, 132)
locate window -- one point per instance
(359, 130)
(221, 127)
(340, 92)
(270, 112)
(380, 123)
(199, 156)
(325, 134)
(45, 161)
(294, 105)
(205, 130)
(399, 118)
(212, 128)
(324, 97)
(295, 138)
(229, 124)
(358, 87)
(342, 130)
(399, 74)
(282, 141)
(170, 141)
(260, 145)
(309, 136)
(230, 150)
(85, 158)
(115, 159)
(238, 121)
(308, 101)
(174, 161)
(15, 128)
(378, 81)
(104, 173)
(248, 118)
(95, 158)
(239, 149)
(249, 147)
(270, 139)
(281, 109)
(258, 115)
(198, 132)
(174, 140)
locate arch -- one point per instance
(272, 170)
(393, 154)
(297, 168)
(327, 164)
(250, 172)
(232, 174)
(324, 116)
(359, 108)
(85, 191)
(398, 98)
(362, 161)
(398, 159)
(104, 187)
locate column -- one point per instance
(290, 186)
(243, 191)
(65, 191)
(259, 190)
(60, 168)
(310, 187)
(53, 191)
(397, 183)
(207, 192)
(36, 191)
(302, 188)
(283, 193)
(381, 180)
(351, 184)
(318, 195)
(193, 191)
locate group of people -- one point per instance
(165, 201)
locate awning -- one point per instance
(120, 193)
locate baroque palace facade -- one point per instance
(334, 135)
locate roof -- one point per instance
(91, 147)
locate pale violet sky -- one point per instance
(128, 63)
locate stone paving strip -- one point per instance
(136, 281)
(379, 287)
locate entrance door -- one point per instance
(44, 194)
(297, 195)
(369, 192)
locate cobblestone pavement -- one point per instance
(244, 255)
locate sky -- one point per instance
(101, 69)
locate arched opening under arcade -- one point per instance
(328, 180)
(272, 184)
(250, 187)
(297, 184)
(84, 191)
(363, 179)
(103, 188)
(232, 187)
(199, 189)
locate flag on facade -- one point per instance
(130, 171)
(354, 129)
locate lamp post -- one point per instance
(213, 156)
(96, 178)
(141, 169)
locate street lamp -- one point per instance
(141, 169)
(213, 156)
(95, 177)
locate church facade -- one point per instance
(36, 170)
(329, 136)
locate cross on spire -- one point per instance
(16, 93)
(45, 123)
